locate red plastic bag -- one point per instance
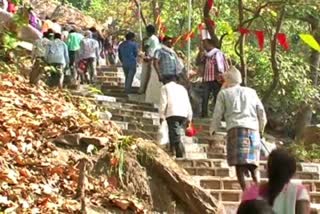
(191, 131)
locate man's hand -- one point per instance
(211, 132)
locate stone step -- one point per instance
(135, 113)
(230, 172)
(301, 167)
(103, 79)
(129, 106)
(214, 183)
(141, 134)
(217, 139)
(136, 120)
(112, 74)
(104, 68)
(112, 84)
(116, 95)
(116, 89)
(106, 98)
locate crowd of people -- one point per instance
(71, 51)
(163, 81)
(239, 106)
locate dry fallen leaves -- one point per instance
(30, 180)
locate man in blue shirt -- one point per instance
(128, 52)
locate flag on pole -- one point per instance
(244, 31)
(260, 38)
(310, 40)
(282, 39)
(210, 4)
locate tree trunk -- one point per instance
(210, 28)
(274, 63)
(304, 116)
(141, 13)
(155, 9)
(242, 39)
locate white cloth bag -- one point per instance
(163, 133)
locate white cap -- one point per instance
(205, 34)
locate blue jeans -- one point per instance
(129, 72)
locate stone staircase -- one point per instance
(205, 155)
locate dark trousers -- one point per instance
(92, 69)
(129, 72)
(176, 126)
(72, 59)
(57, 76)
(212, 87)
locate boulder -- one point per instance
(25, 33)
(177, 180)
(64, 14)
(310, 135)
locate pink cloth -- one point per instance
(256, 191)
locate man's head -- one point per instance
(57, 36)
(46, 35)
(169, 78)
(88, 34)
(54, 21)
(151, 30)
(47, 18)
(208, 44)
(167, 41)
(130, 36)
(232, 76)
(93, 29)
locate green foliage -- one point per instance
(310, 154)
(92, 89)
(118, 160)
(9, 41)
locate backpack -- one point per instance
(54, 52)
(169, 58)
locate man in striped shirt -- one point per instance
(215, 65)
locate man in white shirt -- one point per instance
(151, 44)
(175, 108)
(89, 52)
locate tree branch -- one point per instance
(274, 63)
(211, 30)
(141, 13)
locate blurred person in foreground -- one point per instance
(280, 192)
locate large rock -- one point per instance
(25, 33)
(64, 14)
(310, 135)
(177, 180)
